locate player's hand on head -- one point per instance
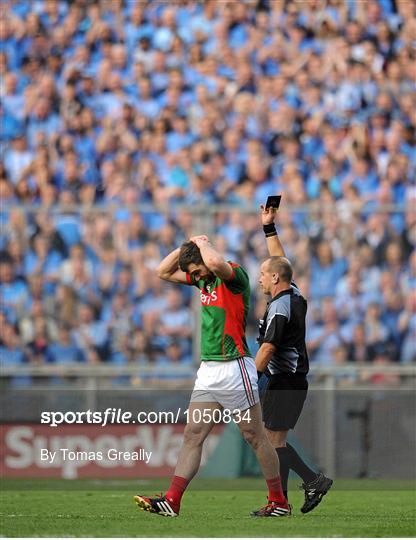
(200, 240)
(268, 215)
(199, 236)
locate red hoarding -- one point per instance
(87, 451)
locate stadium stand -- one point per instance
(111, 105)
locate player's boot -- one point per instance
(159, 505)
(314, 491)
(273, 509)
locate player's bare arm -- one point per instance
(274, 246)
(169, 270)
(263, 356)
(213, 260)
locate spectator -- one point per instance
(407, 328)
(41, 259)
(90, 335)
(340, 358)
(377, 333)
(36, 321)
(174, 355)
(326, 271)
(326, 335)
(174, 320)
(64, 350)
(12, 353)
(18, 158)
(11, 346)
(14, 292)
(38, 347)
(117, 315)
(358, 349)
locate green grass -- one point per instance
(366, 508)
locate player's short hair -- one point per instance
(189, 253)
(281, 266)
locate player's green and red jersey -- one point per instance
(224, 309)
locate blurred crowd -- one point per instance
(112, 104)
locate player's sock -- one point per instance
(275, 490)
(299, 466)
(177, 488)
(283, 455)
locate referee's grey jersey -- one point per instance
(283, 325)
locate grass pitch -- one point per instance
(220, 508)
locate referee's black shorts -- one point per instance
(283, 400)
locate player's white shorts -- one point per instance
(232, 384)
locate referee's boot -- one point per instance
(273, 509)
(314, 492)
(158, 505)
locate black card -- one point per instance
(273, 201)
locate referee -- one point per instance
(283, 359)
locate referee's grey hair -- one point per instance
(281, 266)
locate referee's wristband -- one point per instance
(270, 230)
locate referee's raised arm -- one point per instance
(274, 245)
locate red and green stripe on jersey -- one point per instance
(224, 309)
